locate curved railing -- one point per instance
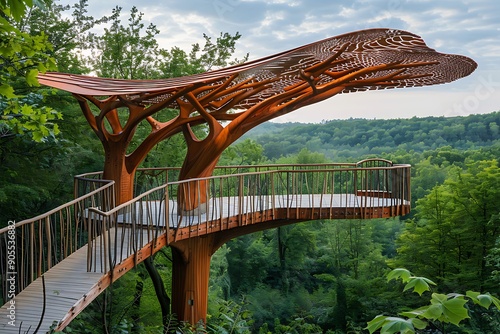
(368, 189)
(31, 247)
(149, 178)
(237, 196)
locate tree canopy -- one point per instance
(22, 56)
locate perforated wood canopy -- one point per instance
(369, 59)
(248, 94)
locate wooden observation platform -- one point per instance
(253, 198)
(123, 216)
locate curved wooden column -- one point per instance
(190, 275)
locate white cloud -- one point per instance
(468, 27)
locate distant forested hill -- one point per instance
(340, 139)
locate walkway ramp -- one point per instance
(69, 288)
(54, 245)
(65, 285)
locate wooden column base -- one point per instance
(190, 274)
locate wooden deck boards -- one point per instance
(153, 211)
(65, 284)
(68, 282)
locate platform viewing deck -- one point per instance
(83, 246)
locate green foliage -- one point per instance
(15, 8)
(132, 51)
(70, 34)
(230, 318)
(454, 230)
(22, 57)
(485, 300)
(445, 138)
(493, 257)
(298, 325)
(399, 273)
(444, 309)
(122, 52)
(246, 152)
(391, 325)
(418, 284)
(216, 55)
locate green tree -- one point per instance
(15, 8)
(246, 152)
(132, 52)
(22, 57)
(493, 258)
(37, 175)
(477, 193)
(248, 263)
(123, 52)
(178, 62)
(453, 231)
(70, 35)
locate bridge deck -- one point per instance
(65, 284)
(70, 287)
(333, 207)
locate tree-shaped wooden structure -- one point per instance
(232, 101)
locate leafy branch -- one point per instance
(22, 57)
(445, 308)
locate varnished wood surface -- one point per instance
(70, 287)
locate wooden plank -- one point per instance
(70, 288)
(66, 283)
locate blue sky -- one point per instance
(470, 28)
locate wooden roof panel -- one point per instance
(356, 50)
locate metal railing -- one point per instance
(31, 247)
(234, 196)
(149, 178)
(263, 193)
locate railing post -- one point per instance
(167, 208)
(273, 195)
(32, 251)
(240, 199)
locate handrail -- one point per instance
(150, 177)
(241, 195)
(228, 201)
(31, 247)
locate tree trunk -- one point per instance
(340, 310)
(159, 287)
(190, 274)
(116, 169)
(285, 284)
(136, 304)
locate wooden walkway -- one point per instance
(70, 287)
(345, 206)
(65, 284)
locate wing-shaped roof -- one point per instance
(353, 51)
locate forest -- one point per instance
(325, 276)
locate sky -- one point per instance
(467, 27)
